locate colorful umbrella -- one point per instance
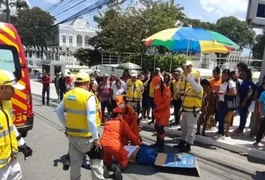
(188, 39)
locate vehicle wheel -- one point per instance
(24, 134)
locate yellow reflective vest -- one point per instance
(8, 140)
(75, 102)
(192, 101)
(175, 88)
(184, 84)
(134, 90)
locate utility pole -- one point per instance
(7, 12)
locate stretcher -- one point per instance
(181, 161)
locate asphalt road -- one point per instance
(49, 144)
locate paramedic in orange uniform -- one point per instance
(130, 116)
(114, 130)
(161, 111)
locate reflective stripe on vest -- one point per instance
(194, 96)
(77, 130)
(6, 132)
(5, 161)
(73, 111)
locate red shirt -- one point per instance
(46, 81)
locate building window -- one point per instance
(70, 40)
(64, 39)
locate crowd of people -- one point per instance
(129, 99)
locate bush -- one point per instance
(162, 61)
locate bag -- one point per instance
(233, 102)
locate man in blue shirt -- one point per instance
(261, 114)
(246, 92)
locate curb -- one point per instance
(252, 152)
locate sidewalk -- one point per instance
(238, 144)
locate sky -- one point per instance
(205, 10)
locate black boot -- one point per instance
(156, 145)
(160, 147)
(186, 148)
(181, 144)
(66, 163)
(117, 175)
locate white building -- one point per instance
(67, 38)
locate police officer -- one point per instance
(135, 89)
(192, 94)
(11, 141)
(81, 125)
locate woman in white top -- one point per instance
(118, 87)
(227, 88)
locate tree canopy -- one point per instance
(258, 47)
(124, 30)
(34, 26)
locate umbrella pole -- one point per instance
(188, 47)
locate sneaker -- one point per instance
(106, 172)
(219, 137)
(256, 144)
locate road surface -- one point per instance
(49, 144)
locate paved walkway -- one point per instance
(235, 143)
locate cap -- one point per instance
(188, 63)
(7, 78)
(156, 80)
(134, 73)
(117, 110)
(119, 100)
(177, 71)
(82, 77)
(105, 75)
(157, 69)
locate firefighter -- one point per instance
(11, 141)
(135, 89)
(161, 111)
(114, 129)
(130, 116)
(81, 105)
(191, 105)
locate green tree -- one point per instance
(34, 26)
(237, 30)
(88, 57)
(258, 46)
(124, 30)
(197, 23)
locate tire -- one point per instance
(24, 134)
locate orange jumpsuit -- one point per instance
(110, 140)
(162, 110)
(130, 116)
